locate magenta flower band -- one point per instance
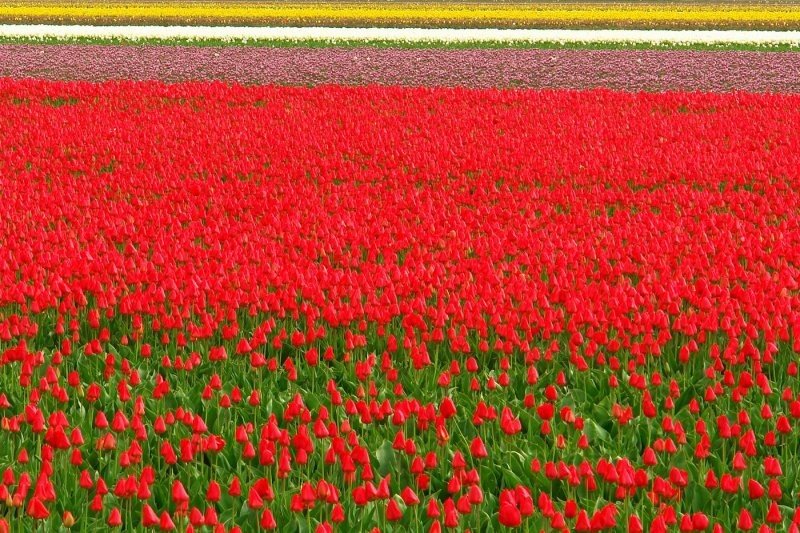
(633, 70)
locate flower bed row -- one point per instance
(403, 35)
(408, 309)
(632, 70)
(431, 14)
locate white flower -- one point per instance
(426, 35)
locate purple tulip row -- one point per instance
(633, 70)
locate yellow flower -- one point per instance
(438, 12)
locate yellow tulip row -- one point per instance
(413, 14)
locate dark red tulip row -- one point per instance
(232, 309)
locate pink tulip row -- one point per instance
(633, 70)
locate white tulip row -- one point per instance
(433, 35)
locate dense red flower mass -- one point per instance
(343, 308)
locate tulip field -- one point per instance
(390, 267)
(382, 308)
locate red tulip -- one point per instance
(213, 493)
(114, 518)
(36, 509)
(700, 521)
(635, 524)
(337, 514)
(254, 500)
(774, 514)
(235, 488)
(149, 516)
(450, 514)
(478, 449)
(268, 520)
(509, 515)
(432, 509)
(755, 489)
(165, 523)
(393, 511)
(447, 409)
(179, 494)
(409, 496)
(745, 521)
